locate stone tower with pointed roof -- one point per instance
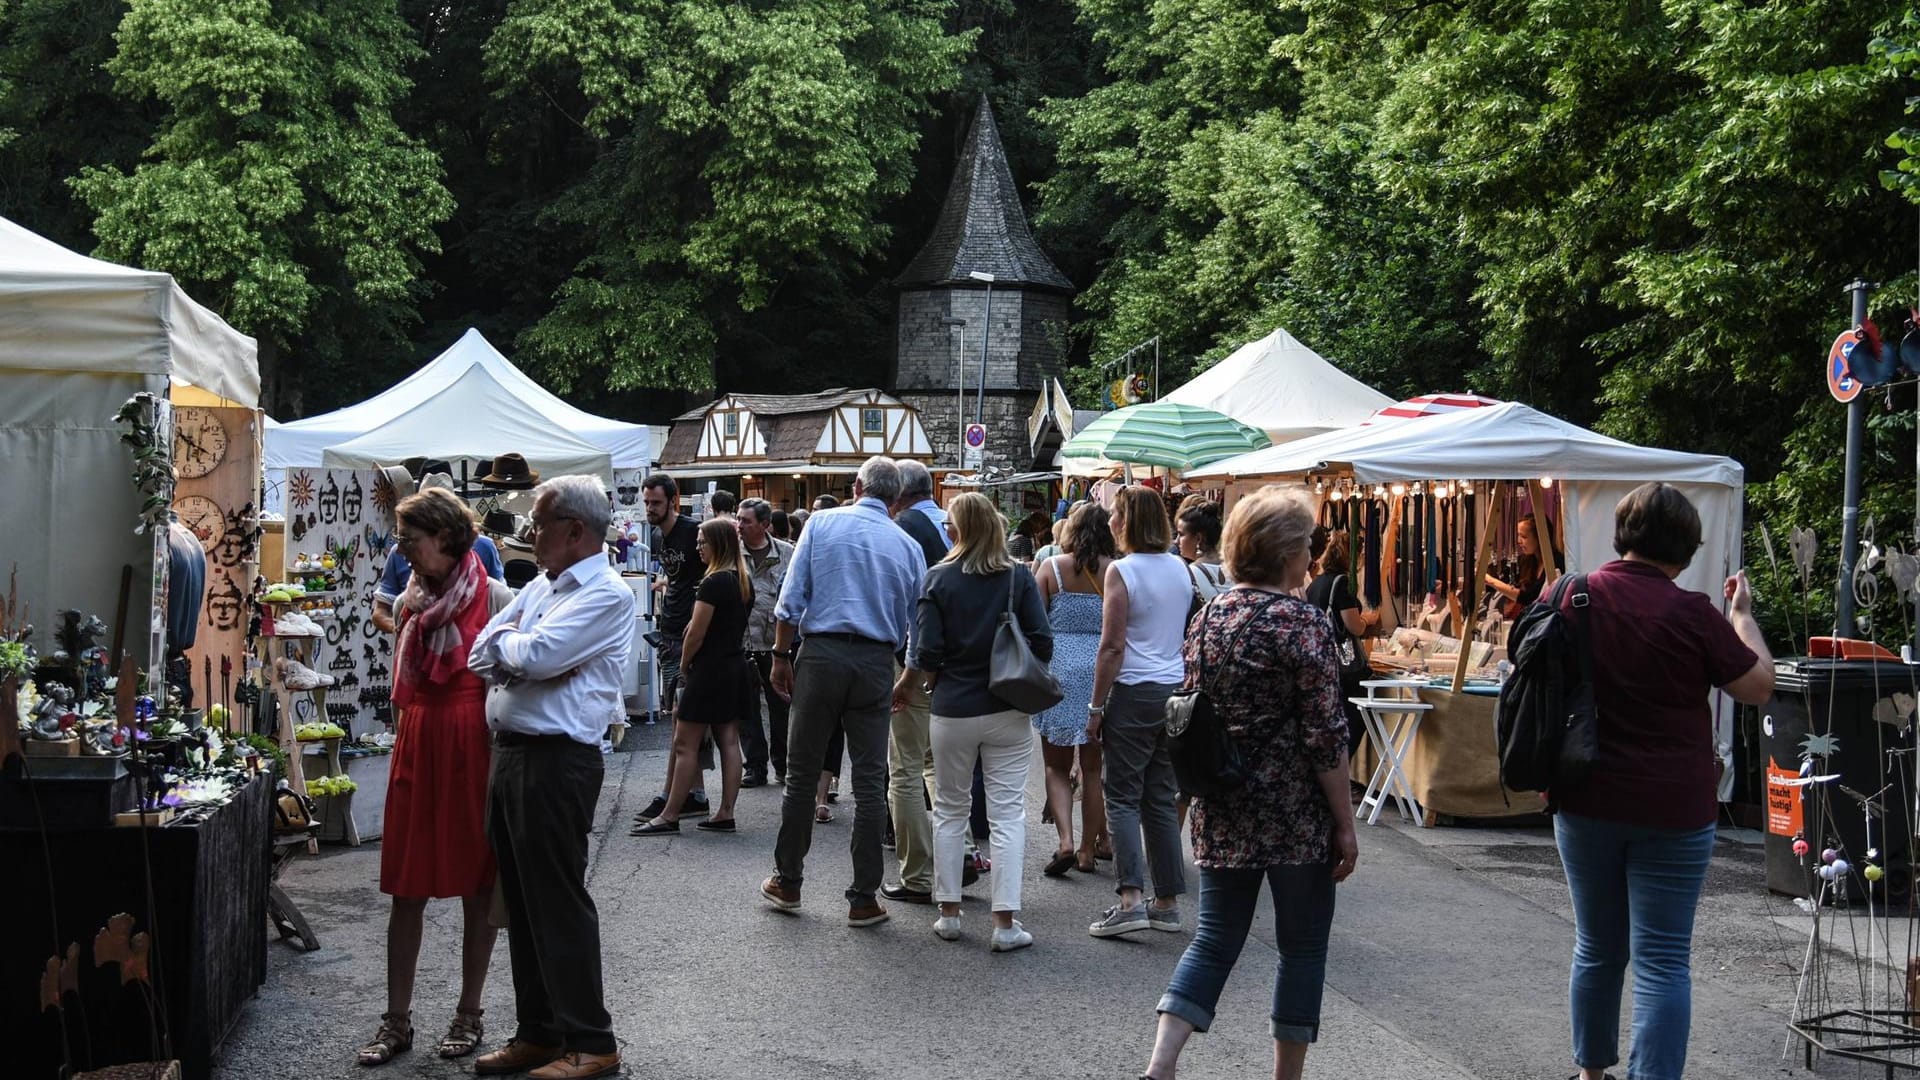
(943, 310)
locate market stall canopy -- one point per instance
(1500, 442)
(63, 311)
(473, 421)
(1165, 435)
(1283, 388)
(1415, 408)
(305, 442)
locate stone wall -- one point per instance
(1005, 416)
(1023, 349)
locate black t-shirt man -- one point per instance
(676, 547)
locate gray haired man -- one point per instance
(767, 561)
(849, 598)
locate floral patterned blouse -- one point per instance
(1279, 694)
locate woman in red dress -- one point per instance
(435, 842)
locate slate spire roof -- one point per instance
(982, 226)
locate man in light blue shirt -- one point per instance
(849, 596)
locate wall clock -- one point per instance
(204, 517)
(199, 442)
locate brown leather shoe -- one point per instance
(574, 1065)
(780, 894)
(515, 1057)
(866, 913)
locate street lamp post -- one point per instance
(986, 333)
(960, 392)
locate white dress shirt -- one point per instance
(555, 658)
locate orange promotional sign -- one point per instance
(1786, 813)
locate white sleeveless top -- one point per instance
(1159, 592)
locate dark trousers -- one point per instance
(846, 684)
(769, 747)
(540, 807)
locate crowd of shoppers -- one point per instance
(875, 630)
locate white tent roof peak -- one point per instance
(64, 311)
(473, 420)
(1499, 442)
(301, 443)
(1283, 388)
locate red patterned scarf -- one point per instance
(432, 647)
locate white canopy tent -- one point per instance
(304, 443)
(472, 421)
(1283, 388)
(78, 337)
(1513, 442)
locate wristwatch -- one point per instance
(785, 654)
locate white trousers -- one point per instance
(1003, 744)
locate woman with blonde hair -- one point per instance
(1143, 622)
(716, 678)
(1265, 658)
(966, 596)
(435, 845)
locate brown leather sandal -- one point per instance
(463, 1035)
(395, 1037)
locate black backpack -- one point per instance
(1546, 722)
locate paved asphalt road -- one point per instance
(1449, 961)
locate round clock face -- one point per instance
(203, 516)
(199, 441)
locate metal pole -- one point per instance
(960, 401)
(986, 334)
(1845, 624)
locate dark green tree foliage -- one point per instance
(278, 186)
(742, 147)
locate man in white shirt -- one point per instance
(554, 659)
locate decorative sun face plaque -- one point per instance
(199, 442)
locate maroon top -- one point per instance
(1658, 651)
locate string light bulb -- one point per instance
(1466, 487)
(1546, 482)
(1379, 491)
(1441, 490)
(1399, 489)
(1336, 495)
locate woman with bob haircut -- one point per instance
(1143, 623)
(966, 596)
(1266, 657)
(1637, 834)
(435, 842)
(716, 690)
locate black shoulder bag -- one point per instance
(1206, 761)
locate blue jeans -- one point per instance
(1303, 917)
(1634, 890)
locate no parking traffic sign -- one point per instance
(1843, 386)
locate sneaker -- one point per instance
(780, 894)
(694, 806)
(947, 928)
(1168, 920)
(866, 913)
(1011, 938)
(1120, 920)
(295, 675)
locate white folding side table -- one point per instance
(1392, 740)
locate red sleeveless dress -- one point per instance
(435, 840)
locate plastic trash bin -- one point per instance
(1867, 707)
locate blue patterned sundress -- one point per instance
(1076, 638)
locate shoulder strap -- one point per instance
(1093, 579)
(1233, 643)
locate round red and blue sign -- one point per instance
(1842, 385)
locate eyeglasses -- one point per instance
(534, 524)
(406, 540)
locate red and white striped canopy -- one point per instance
(1431, 405)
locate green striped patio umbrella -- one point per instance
(1165, 434)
